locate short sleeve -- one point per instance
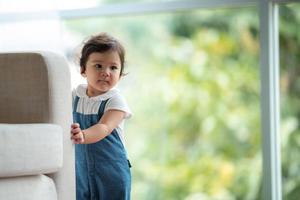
(118, 102)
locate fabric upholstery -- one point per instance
(35, 89)
(38, 187)
(29, 149)
(24, 89)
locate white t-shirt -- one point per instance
(90, 105)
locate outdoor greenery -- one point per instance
(193, 84)
(290, 94)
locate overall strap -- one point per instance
(75, 103)
(102, 107)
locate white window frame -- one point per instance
(269, 64)
(270, 110)
(270, 98)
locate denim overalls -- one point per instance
(102, 168)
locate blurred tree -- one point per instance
(290, 109)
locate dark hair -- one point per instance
(101, 43)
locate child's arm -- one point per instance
(108, 122)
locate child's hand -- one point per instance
(77, 134)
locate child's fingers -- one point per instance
(75, 125)
(77, 139)
(75, 130)
(77, 136)
(74, 137)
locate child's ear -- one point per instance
(83, 74)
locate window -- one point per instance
(197, 131)
(207, 107)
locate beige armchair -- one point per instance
(36, 154)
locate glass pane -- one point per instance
(193, 84)
(290, 95)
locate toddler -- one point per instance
(99, 111)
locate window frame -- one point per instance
(270, 107)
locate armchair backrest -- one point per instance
(24, 88)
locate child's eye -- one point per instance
(98, 66)
(114, 68)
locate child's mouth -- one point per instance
(102, 81)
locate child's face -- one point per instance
(102, 72)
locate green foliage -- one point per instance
(290, 109)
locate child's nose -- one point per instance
(105, 72)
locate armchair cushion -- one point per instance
(38, 187)
(28, 149)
